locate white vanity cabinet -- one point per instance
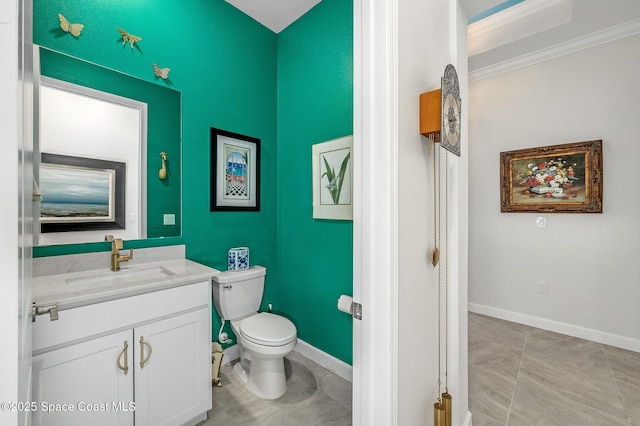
(143, 360)
(173, 369)
(78, 376)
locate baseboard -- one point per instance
(231, 353)
(467, 420)
(558, 327)
(322, 358)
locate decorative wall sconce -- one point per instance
(162, 174)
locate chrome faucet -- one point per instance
(116, 257)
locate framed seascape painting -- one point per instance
(552, 179)
(332, 179)
(235, 172)
(81, 194)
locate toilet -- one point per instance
(264, 338)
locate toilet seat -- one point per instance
(267, 329)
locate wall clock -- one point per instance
(451, 110)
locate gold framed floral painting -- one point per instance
(552, 179)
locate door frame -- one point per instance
(375, 208)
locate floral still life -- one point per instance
(557, 177)
(564, 178)
(335, 181)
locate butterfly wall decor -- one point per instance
(163, 73)
(68, 27)
(126, 37)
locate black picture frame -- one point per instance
(235, 172)
(64, 209)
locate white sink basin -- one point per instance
(123, 277)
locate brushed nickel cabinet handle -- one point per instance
(124, 353)
(144, 360)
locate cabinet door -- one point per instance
(173, 369)
(85, 383)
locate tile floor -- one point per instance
(315, 396)
(521, 375)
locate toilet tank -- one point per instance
(237, 294)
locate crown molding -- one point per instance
(517, 22)
(597, 38)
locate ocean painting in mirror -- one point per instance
(75, 193)
(79, 193)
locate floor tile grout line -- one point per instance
(513, 394)
(613, 376)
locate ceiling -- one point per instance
(502, 31)
(274, 14)
(279, 14)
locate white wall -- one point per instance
(589, 261)
(431, 35)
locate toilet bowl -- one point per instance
(264, 338)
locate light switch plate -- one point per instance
(169, 219)
(541, 222)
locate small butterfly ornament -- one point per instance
(68, 27)
(126, 37)
(163, 73)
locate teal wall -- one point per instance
(224, 64)
(291, 90)
(315, 104)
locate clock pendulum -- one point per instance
(435, 253)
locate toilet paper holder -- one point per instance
(348, 306)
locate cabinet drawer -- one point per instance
(93, 320)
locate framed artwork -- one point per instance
(332, 179)
(552, 179)
(235, 172)
(81, 194)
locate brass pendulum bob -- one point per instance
(438, 414)
(435, 257)
(446, 399)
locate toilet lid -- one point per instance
(268, 329)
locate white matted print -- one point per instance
(332, 179)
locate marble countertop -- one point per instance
(74, 289)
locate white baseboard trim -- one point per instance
(558, 327)
(322, 358)
(329, 362)
(467, 420)
(231, 354)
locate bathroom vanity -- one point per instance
(127, 347)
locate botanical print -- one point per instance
(237, 166)
(74, 192)
(336, 187)
(331, 173)
(548, 179)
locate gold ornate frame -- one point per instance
(552, 179)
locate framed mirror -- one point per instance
(95, 116)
